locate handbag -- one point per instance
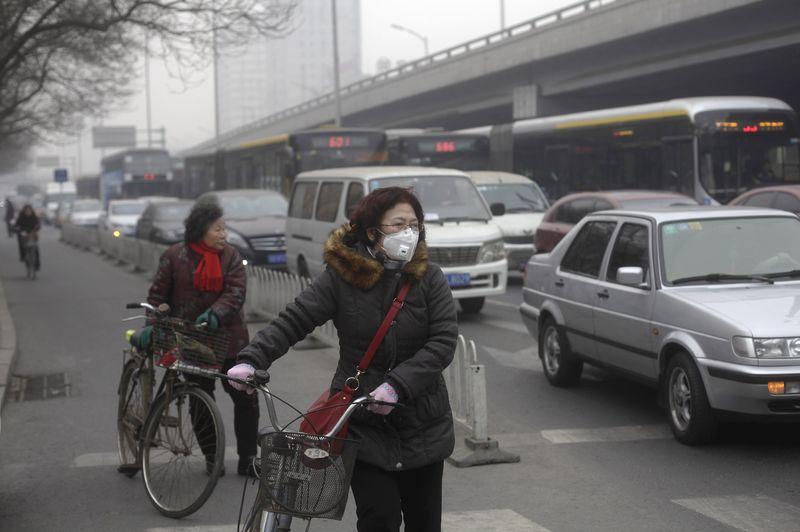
(324, 413)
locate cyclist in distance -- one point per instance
(9, 217)
(27, 223)
(398, 469)
(203, 280)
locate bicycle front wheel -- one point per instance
(135, 393)
(183, 449)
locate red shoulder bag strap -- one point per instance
(397, 304)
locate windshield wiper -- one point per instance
(790, 273)
(520, 209)
(721, 277)
(460, 219)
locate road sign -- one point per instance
(114, 137)
(47, 161)
(60, 175)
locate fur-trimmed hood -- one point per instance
(363, 271)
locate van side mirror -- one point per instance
(630, 276)
(498, 209)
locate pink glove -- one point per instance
(243, 372)
(385, 392)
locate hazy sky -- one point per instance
(187, 113)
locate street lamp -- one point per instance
(415, 34)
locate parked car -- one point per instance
(524, 205)
(122, 215)
(458, 230)
(569, 210)
(783, 197)
(256, 220)
(162, 222)
(83, 212)
(702, 302)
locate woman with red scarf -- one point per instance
(202, 279)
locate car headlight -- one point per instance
(236, 240)
(766, 347)
(492, 251)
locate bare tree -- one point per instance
(60, 59)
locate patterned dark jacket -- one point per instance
(173, 284)
(355, 291)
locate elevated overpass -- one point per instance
(593, 54)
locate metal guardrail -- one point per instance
(466, 384)
(139, 254)
(268, 293)
(582, 8)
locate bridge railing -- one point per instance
(582, 8)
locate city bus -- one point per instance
(134, 173)
(709, 148)
(418, 147)
(272, 162)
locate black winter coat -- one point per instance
(356, 292)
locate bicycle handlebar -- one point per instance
(260, 383)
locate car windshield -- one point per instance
(715, 249)
(253, 206)
(173, 213)
(444, 198)
(655, 203)
(86, 206)
(128, 208)
(517, 197)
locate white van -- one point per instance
(524, 205)
(459, 231)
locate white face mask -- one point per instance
(400, 245)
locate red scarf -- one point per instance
(208, 275)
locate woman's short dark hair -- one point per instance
(204, 213)
(373, 206)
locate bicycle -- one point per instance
(300, 475)
(30, 252)
(175, 437)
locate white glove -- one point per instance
(242, 372)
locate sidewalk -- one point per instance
(8, 348)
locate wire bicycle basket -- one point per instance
(176, 339)
(305, 475)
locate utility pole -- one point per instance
(336, 65)
(216, 89)
(147, 87)
(502, 15)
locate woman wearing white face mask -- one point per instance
(398, 472)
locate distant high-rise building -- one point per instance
(273, 74)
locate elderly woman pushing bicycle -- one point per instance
(399, 466)
(203, 280)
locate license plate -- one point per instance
(458, 279)
(276, 258)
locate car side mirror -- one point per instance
(630, 275)
(498, 209)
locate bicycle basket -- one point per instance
(305, 475)
(173, 337)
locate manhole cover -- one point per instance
(38, 387)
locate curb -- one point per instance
(8, 347)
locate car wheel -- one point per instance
(560, 367)
(471, 305)
(690, 416)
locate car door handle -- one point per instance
(603, 295)
(560, 282)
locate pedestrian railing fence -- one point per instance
(268, 293)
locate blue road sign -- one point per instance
(60, 175)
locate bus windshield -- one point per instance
(444, 198)
(742, 152)
(459, 152)
(336, 149)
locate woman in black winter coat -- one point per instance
(398, 470)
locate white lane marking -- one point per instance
(608, 434)
(112, 459)
(746, 512)
(503, 304)
(507, 325)
(473, 521)
(488, 521)
(526, 358)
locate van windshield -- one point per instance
(443, 198)
(517, 197)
